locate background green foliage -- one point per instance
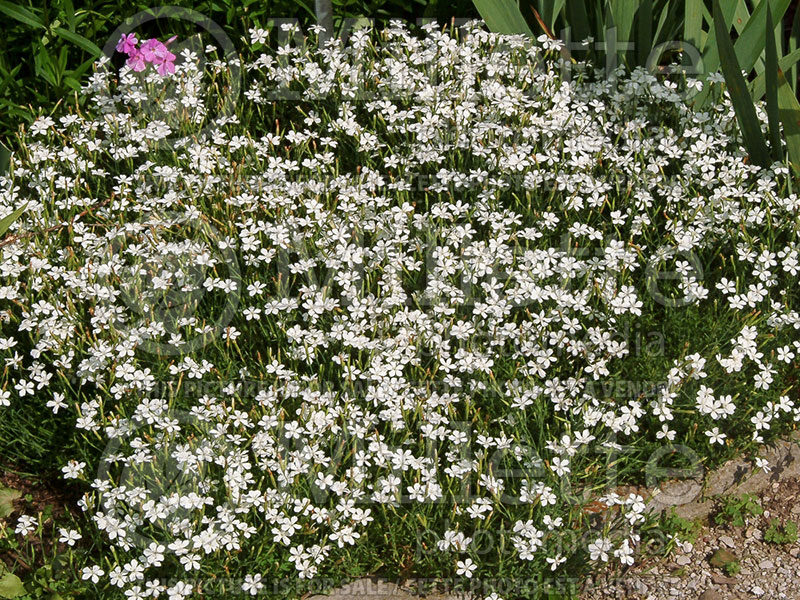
(48, 46)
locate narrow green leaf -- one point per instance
(693, 23)
(7, 221)
(789, 111)
(5, 159)
(741, 16)
(503, 16)
(743, 104)
(623, 11)
(771, 77)
(785, 63)
(794, 44)
(645, 42)
(550, 10)
(751, 41)
(23, 15)
(578, 20)
(667, 16)
(558, 8)
(711, 53)
(69, 9)
(79, 40)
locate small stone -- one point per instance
(722, 557)
(683, 560)
(710, 594)
(753, 533)
(722, 580)
(766, 564)
(728, 541)
(796, 509)
(794, 552)
(757, 591)
(639, 587)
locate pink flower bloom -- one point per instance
(150, 51)
(166, 67)
(136, 60)
(127, 43)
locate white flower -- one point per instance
(763, 464)
(73, 469)
(465, 567)
(252, 584)
(25, 524)
(68, 536)
(715, 437)
(599, 549)
(93, 572)
(555, 561)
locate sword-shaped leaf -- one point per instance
(6, 222)
(789, 111)
(771, 78)
(742, 102)
(5, 159)
(503, 16)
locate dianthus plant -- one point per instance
(420, 304)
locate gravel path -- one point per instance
(768, 571)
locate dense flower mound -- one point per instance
(420, 304)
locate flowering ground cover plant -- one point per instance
(419, 306)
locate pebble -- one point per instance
(683, 560)
(728, 541)
(721, 579)
(710, 594)
(766, 564)
(753, 533)
(757, 591)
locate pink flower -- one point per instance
(136, 60)
(127, 43)
(156, 52)
(150, 51)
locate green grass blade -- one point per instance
(79, 41)
(23, 15)
(623, 11)
(711, 55)
(710, 51)
(503, 16)
(771, 78)
(785, 64)
(666, 19)
(794, 44)
(741, 17)
(753, 37)
(5, 159)
(550, 11)
(6, 222)
(693, 22)
(789, 111)
(578, 20)
(645, 41)
(740, 96)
